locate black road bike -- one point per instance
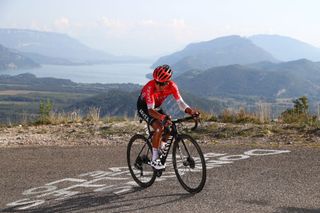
(187, 158)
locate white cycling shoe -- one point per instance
(157, 164)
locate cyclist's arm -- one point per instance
(156, 114)
(182, 105)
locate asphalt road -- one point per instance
(239, 179)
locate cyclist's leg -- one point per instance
(144, 114)
(165, 137)
(156, 139)
(156, 162)
(158, 129)
(154, 123)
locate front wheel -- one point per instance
(139, 156)
(189, 164)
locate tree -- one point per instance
(45, 109)
(299, 113)
(301, 105)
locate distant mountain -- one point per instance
(302, 68)
(218, 52)
(286, 48)
(283, 80)
(49, 44)
(14, 60)
(55, 48)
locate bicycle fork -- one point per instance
(186, 160)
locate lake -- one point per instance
(100, 73)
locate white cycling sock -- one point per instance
(155, 153)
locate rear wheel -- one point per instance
(139, 156)
(189, 164)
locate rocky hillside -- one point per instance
(119, 132)
(268, 80)
(13, 60)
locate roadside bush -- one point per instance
(93, 114)
(238, 117)
(45, 108)
(299, 113)
(244, 117)
(205, 116)
(48, 116)
(226, 116)
(63, 118)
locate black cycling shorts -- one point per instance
(143, 111)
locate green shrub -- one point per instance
(45, 108)
(299, 113)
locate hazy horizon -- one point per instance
(151, 28)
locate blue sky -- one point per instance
(156, 27)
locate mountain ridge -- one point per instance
(250, 80)
(56, 48)
(217, 52)
(286, 48)
(235, 49)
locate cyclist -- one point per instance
(152, 96)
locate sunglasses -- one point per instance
(162, 83)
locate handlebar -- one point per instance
(180, 120)
(167, 129)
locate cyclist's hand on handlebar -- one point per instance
(196, 114)
(193, 112)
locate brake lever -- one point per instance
(196, 122)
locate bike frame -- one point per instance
(180, 149)
(173, 131)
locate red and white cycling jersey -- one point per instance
(155, 98)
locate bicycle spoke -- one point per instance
(139, 155)
(189, 164)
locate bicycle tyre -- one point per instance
(144, 155)
(181, 144)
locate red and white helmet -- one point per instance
(162, 73)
